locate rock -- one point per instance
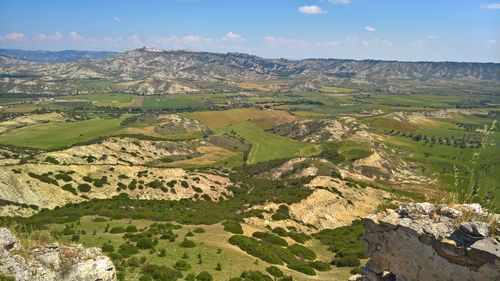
(475, 208)
(45, 262)
(356, 277)
(429, 242)
(476, 228)
(7, 240)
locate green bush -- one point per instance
(255, 248)
(282, 213)
(131, 228)
(344, 241)
(127, 250)
(145, 243)
(274, 271)
(204, 276)
(83, 187)
(161, 273)
(182, 265)
(304, 268)
(299, 237)
(63, 176)
(255, 276)
(280, 231)
(320, 266)
(270, 238)
(187, 244)
(44, 178)
(233, 227)
(199, 230)
(107, 248)
(69, 188)
(117, 229)
(302, 252)
(347, 261)
(50, 159)
(155, 184)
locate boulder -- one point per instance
(52, 262)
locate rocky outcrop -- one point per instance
(429, 242)
(52, 261)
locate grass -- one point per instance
(106, 99)
(60, 135)
(267, 146)
(212, 245)
(223, 119)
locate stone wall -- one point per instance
(429, 242)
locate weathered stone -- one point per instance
(475, 228)
(7, 240)
(356, 277)
(426, 244)
(44, 262)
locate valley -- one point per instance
(255, 180)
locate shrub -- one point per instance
(145, 243)
(218, 267)
(131, 228)
(299, 237)
(344, 241)
(187, 244)
(117, 229)
(304, 268)
(69, 188)
(204, 276)
(63, 176)
(155, 184)
(233, 227)
(182, 265)
(281, 214)
(255, 276)
(44, 178)
(199, 230)
(347, 261)
(270, 238)
(184, 184)
(320, 266)
(107, 248)
(302, 252)
(257, 249)
(50, 159)
(274, 271)
(280, 231)
(127, 250)
(133, 262)
(161, 273)
(83, 187)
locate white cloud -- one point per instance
(370, 29)
(117, 19)
(311, 10)
(73, 35)
(57, 36)
(340, 1)
(491, 42)
(13, 37)
(490, 6)
(233, 37)
(432, 37)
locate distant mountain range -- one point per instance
(54, 57)
(152, 71)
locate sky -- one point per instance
(409, 30)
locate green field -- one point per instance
(60, 135)
(105, 99)
(267, 146)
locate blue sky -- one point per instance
(438, 30)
